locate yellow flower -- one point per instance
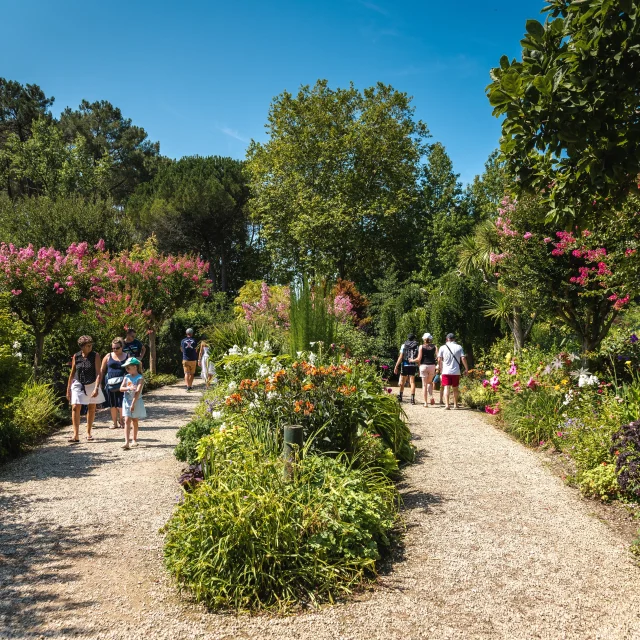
(557, 387)
(525, 350)
(628, 362)
(507, 358)
(565, 381)
(488, 372)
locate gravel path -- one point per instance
(496, 546)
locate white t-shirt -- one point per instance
(449, 362)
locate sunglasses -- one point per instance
(116, 346)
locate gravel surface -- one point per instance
(496, 546)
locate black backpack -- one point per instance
(410, 351)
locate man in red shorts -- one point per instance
(450, 360)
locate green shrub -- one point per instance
(152, 382)
(246, 539)
(222, 337)
(475, 396)
(532, 416)
(600, 482)
(33, 412)
(310, 317)
(371, 452)
(590, 445)
(189, 436)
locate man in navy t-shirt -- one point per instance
(189, 358)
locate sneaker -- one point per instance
(399, 397)
(413, 399)
(188, 389)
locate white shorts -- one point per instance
(78, 396)
(427, 370)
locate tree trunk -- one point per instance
(518, 331)
(37, 353)
(223, 273)
(153, 362)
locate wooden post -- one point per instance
(293, 443)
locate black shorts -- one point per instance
(408, 370)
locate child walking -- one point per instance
(132, 403)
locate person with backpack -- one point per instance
(450, 360)
(427, 359)
(408, 353)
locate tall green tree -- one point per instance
(569, 109)
(45, 164)
(199, 205)
(443, 218)
(59, 222)
(111, 138)
(20, 105)
(337, 179)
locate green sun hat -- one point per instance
(132, 362)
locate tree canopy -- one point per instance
(571, 127)
(199, 205)
(337, 178)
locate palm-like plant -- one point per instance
(475, 255)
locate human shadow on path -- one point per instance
(36, 557)
(56, 459)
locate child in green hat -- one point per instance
(132, 403)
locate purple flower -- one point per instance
(633, 338)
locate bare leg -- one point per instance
(413, 385)
(186, 379)
(127, 428)
(446, 396)
(75, 419)
(135, 429)
(91, 416)
(114, 417)
(191, 379)
(456, 395)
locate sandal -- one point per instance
(73, 441)
(89, 438)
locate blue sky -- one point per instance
(199, 76)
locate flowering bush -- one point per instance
(584, 276)
(335, 403)
(149, 286)
(47, 285)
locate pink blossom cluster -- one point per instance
(503, 225)
(342, 307)
(268, 308)
(494, 258)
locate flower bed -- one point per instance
(245, 537)
(554, 401)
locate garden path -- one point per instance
(496, 547)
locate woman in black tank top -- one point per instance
(83, 387)
(428, 360)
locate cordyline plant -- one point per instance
(584, 277)
(46, 284)
(149, 286)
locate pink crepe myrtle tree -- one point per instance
(149, 286)
(45, 285)
(584, 276)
